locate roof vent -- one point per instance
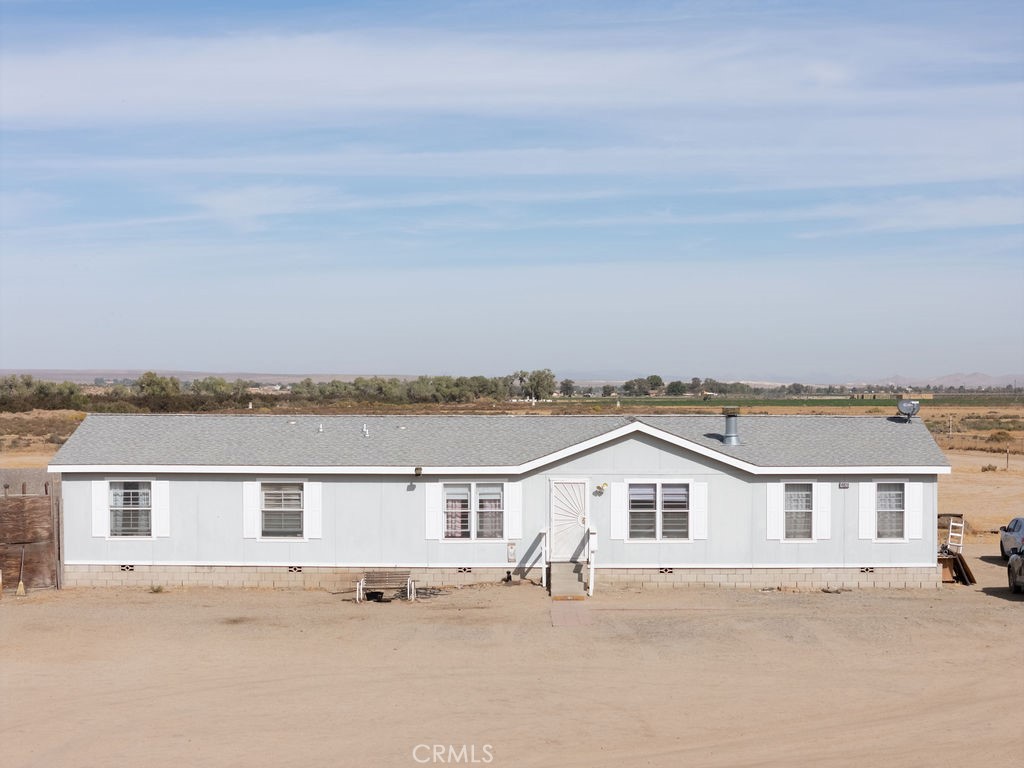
(732, 417)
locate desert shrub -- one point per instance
(989, 468)
(1002, 436)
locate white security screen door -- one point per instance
(568, 521)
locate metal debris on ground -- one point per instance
(422, 593)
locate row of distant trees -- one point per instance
(154, 393)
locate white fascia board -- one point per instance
(209, 469)
(842, 470)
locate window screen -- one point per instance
(457, 500)
(282, 509)
(799, 501)
(131, 509)
(643, 510)
(675, 511)
(490, 511)
(889, 509)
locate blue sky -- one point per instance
(755, 190)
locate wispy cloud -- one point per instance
(337, 76)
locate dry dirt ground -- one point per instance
(670, 678)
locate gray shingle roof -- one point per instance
(475, 441)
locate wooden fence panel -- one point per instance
(26, 523)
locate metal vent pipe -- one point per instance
(732, 434)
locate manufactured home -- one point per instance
(658, 501)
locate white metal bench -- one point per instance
(378, 581)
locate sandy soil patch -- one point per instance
(34, 459)
(675, 678)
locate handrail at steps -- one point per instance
(544, 559)
(591, 550)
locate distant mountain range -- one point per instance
(88, 376)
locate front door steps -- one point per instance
(567, 581)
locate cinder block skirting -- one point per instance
(342, 579)
(760, 578)
(270, 577)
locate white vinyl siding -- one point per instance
(866, 511)
(619, 511)
(914, 511)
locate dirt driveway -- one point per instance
(506, 677)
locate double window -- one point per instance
(659, 510)
(890, 510)
(474, 510)
(281, 505)
(131, 508)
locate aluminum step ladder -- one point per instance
(955, 535)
